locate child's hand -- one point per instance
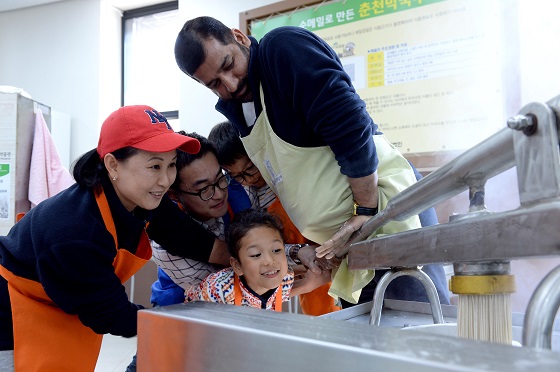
(326, 264)
(307, 257)
(310, 282)
(313, 280)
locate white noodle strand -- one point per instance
(485, 318)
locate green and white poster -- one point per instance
(434, 74)
(5, 191)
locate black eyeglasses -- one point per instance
(249, 171)
(206, 193)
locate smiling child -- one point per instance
(259, 275)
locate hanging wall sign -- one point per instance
(436, 75)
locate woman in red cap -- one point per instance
(62, 266)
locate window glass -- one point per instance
(150, 74)
(173, 122)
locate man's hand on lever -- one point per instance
(336, 246)
(364, 190)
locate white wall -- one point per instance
(197, 113)
(54, 52)
(540, 51)
(110, 57)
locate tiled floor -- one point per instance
(116, 354)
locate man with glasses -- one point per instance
(207, 194)
(201, 190)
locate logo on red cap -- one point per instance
(156, 118)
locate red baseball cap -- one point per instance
(143, 128)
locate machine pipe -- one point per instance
(433, 297)
(542, 308)
(482, 162)
(525, 232)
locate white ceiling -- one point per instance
(6, 5)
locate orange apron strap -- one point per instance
(237, 294)
(126, 263)
(236, 290)
(103, 205)
(278, 304)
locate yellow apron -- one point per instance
(45, 337)
(296, 174)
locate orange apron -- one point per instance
(45, 337)
(318, 301)
(238, 295)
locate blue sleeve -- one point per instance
(237, 197)
(320, 95)
(429, 216)
(165, 291)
